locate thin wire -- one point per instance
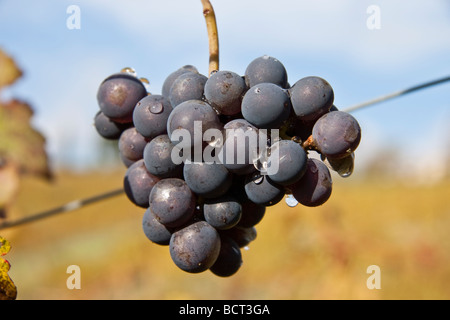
(70, 206)
(396, 94)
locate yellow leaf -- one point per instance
(5, 246)
(8, 290)
(4, 265)
(9, 72)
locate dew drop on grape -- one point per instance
(344, 166)
(146, 83)
(129, 70)
(291, 201)
(157, 108)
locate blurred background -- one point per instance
(394, 211)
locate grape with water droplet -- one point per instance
(261, 190)
(150, 115)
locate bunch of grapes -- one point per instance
(195, 166)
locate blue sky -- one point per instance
(328, 38)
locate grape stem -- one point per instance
(309, 144)
(213, 37)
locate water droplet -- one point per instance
(260, 164)
(275, 140)
(344, 167)
(216, 110)
(129, 70)
(290, 200)
(345, 174)
(216, 142)
(265, 57)
(157, 108)
(257, 90)
(246, 248)
(347, 170)
(146, 83)
(297, 139)
(258, 178)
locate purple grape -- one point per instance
(266, 105)
(207, 180)
(188, 86)
(127, 162)
(291, 162)
(261, 190)
(336, 134)
(195, 248)
(154, 230)
(138, 184)
(252, 214)
(315, 187)
(150, 116)
(224, 91)
(118, 94)
(229, 260)
(266, 69)
(238, 138)
(168, 82)
(187, 113)
(311, 98)
(107, 128)
(242, 235)
(172, 202)
(132, 144)
(158, 158)
(223, 212)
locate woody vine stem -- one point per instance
(213, 37)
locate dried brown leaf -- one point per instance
(20, 143)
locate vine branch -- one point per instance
(213, 37)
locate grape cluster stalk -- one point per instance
(209, 154)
